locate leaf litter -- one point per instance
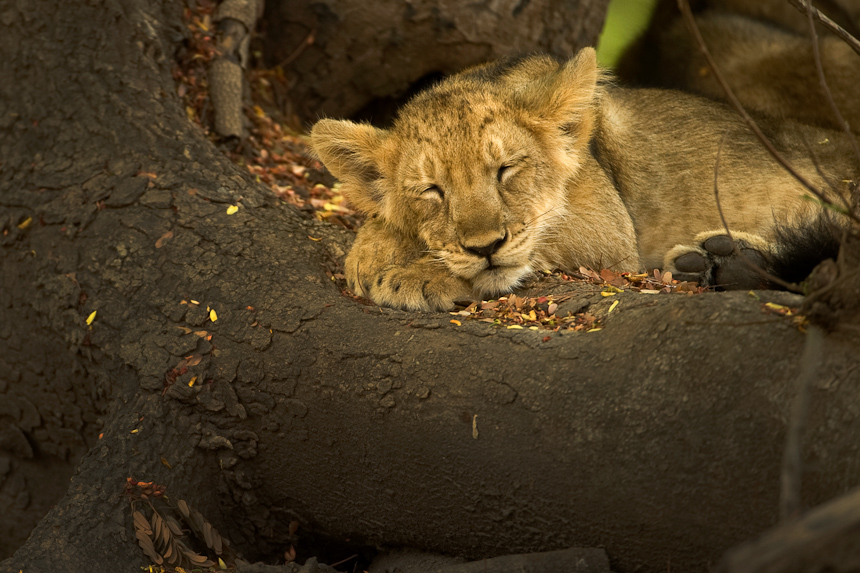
(279, 157)
(174, 535)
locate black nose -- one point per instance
(487, 251)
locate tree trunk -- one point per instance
(349, 58)
(224, 364)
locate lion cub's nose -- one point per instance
(489, 250)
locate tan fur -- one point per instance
(506, 169)
(764, 51)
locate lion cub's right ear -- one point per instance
(352, 152)
(565, 98)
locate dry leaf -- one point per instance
(183, 508)
(164, 238)
(173, 524)
(141, 523)
(145, 543)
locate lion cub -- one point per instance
(530, 164)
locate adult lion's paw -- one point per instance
(712, 260)
(425, 287)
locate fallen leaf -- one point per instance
(164, 238)
(213, 316)
(91, 317)
(457, 322)
(232, 209)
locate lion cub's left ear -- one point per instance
(353, 154)
(565, 99)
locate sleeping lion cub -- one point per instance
(531, 164)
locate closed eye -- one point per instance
(509, 169)
(433, 192)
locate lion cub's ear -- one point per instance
(351, 151)
(565, 98)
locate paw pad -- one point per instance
(715, 262)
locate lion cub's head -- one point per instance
(476, 167)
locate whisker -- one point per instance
(527, 223)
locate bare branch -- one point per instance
(684, 6)
(828, 23)
(840, 119)
(738, 253)
(792, 463)
(782, 547)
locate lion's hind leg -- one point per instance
(712, 260)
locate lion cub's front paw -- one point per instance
(415, 287)
(711, 260)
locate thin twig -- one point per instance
(829, 24)
(299, 49)
(772, 278)
(684, 6)
(792, 458)
(840, 119)
(782, 548)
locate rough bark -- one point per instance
(658, 437)
(349, 57)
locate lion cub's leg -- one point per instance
(395, 270)
(711, 260)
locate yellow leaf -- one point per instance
(604, 293)
(194, 302)
(457, 322)
(25, 223)
(612, 307)
(533, 328)
(532, 315)
(232, 209)
(213, 316)
(594, 329)
(192, 381)
(91, 317)
(134, 431)
(221, 564)
(514, 327)
(314, 239)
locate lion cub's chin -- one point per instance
(498, 280)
